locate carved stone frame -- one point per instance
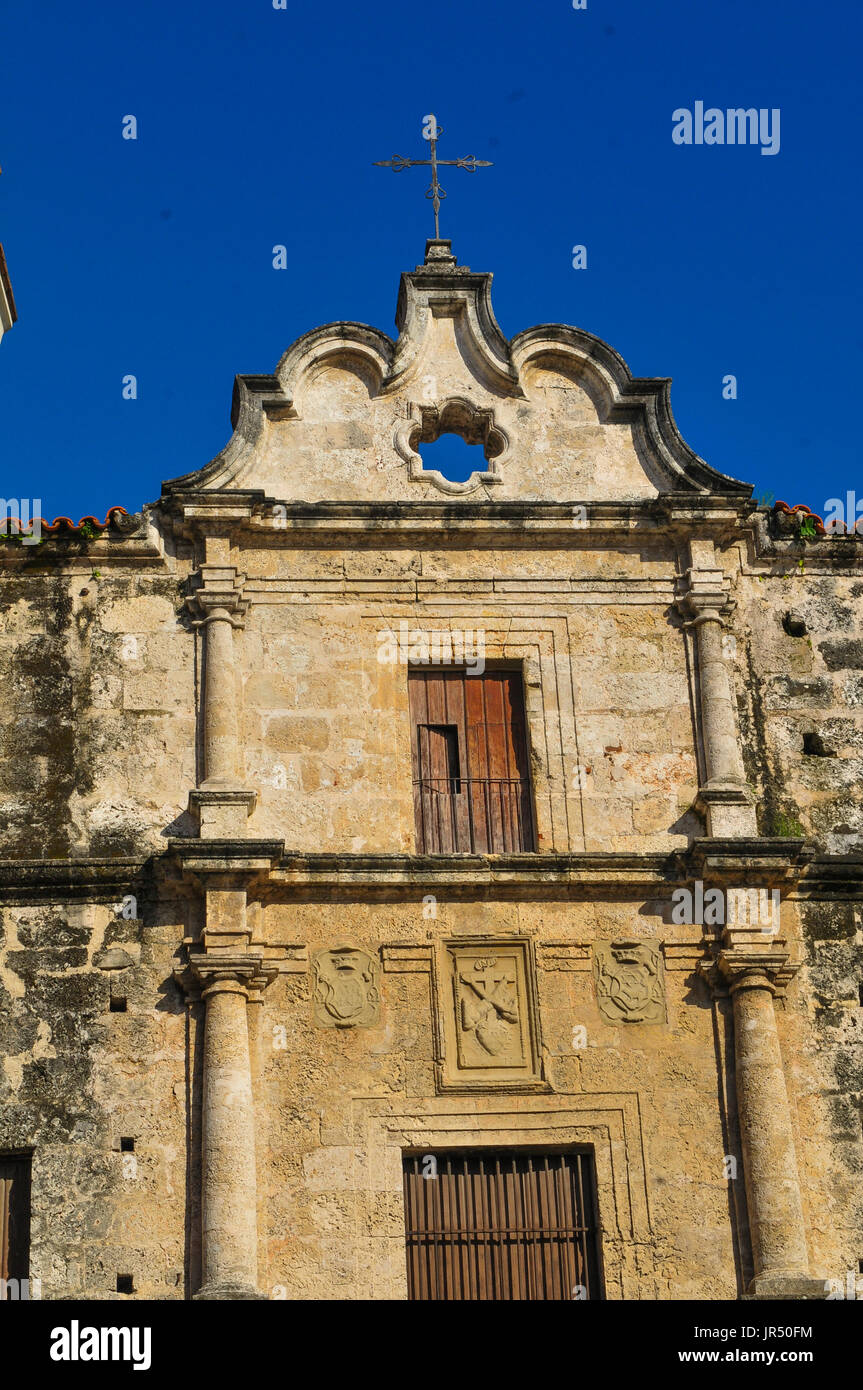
(456, 415)
(380, 1131)
(450, 1077)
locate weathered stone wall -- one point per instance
(100, 727)
(611, 730)
(97, 712)
(646, 1094)
(800, 677)
(78, 1078)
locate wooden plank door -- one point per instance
(470, 763)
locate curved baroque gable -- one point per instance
(556, 410)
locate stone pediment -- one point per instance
(555, 411)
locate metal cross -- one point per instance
(431, 132)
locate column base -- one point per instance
(785, 1286)
(222, 810)
(728, 810)
(228, 1293)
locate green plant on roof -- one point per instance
(807, 527)
(87, 531)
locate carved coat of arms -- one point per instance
(488, 1009)
(346, 988)
(489, 1004)
(629, 986)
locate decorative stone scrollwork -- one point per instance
(489, 1015)
(489, 1025)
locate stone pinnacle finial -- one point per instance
(439, 253)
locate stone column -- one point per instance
(220, 714)
(229, 1179)
(724, 796)
(776, 1223)
(222, 802)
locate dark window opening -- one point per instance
(471, 783)
(14, 1220)
(127, 1146)
(438, 751)
(117, 1004)
(502, 1225)
(125, 1283)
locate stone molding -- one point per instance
(425, 423)
(374, 1133)
(208, 971)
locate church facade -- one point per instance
(426, 889)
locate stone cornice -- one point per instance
(78, 880)
(510, 875)
(753, 862)
(745, 860)
(577, 524)
(237, 860)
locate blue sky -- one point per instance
(259, 126)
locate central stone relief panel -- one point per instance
(488, 1012)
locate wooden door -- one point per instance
(470, 763)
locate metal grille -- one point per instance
(474, 815)
(501, 1225)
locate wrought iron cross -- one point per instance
(431, 132)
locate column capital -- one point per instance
(745, 966)
(220, 596)
(233, 972)
(702, 596)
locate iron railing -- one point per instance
(473, 815)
